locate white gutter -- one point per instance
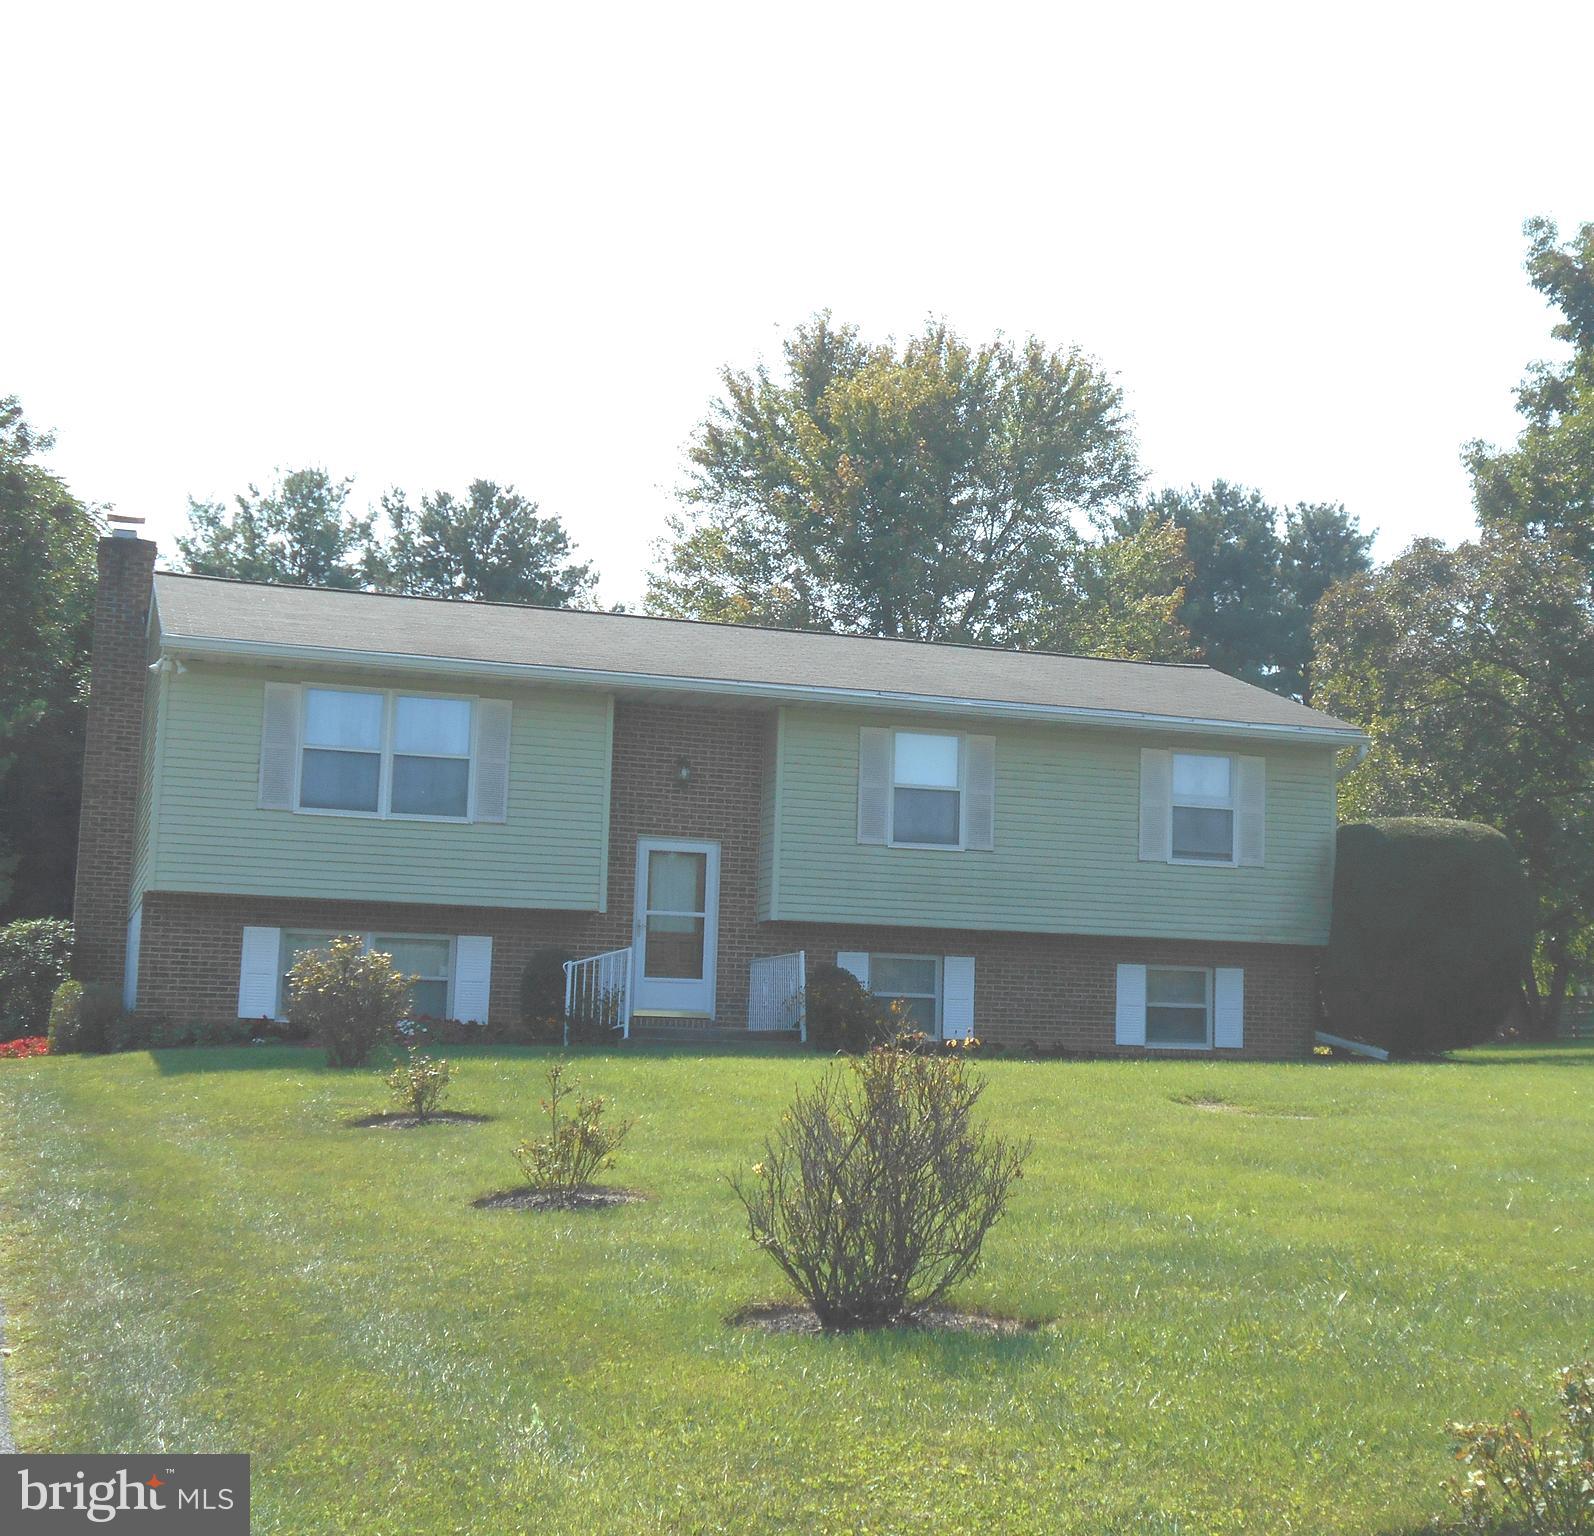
(789, 693)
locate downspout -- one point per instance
(1358, 757)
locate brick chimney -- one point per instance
(111, 756)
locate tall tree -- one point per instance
(1473, 671)
(492, 544)
(1256, 574)
(299, 531)
(1546, 481)
(928, 490)
(47, 542)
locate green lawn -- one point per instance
(1261, 1320)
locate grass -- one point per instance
(1262, 1317)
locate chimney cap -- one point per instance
(133, 524)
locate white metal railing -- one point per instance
(598, 991)
(775, 993)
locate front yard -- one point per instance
(1264, 1304)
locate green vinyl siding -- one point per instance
(144, 822)
(211, 835)
(1066, 858)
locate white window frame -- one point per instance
(384, 782)
(1174, 803)
(1211, 1008)
(366, 942)
(892, 841)
(936, 997)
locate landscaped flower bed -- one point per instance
(28, 1045)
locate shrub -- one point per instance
(876, 1193)
(842, 1014)
(579, 1144)
(419, 1082)
(1430, 937)
(82, 1017)
(542, 995)
(348, 998)
(35, 955)
(1527, 1484)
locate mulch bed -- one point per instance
(588, 1197)
(793, 1317)
(394, 1121)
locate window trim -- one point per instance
(1211, 1009)
(1174, 803)
(937, 998)
(386, 754)
(892, 840)
(367, 938)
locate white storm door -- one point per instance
(676, 929)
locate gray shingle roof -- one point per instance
(663, 651)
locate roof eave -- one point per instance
(779, 693)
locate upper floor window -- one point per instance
(385, 754)
(926, 790)
(1203, 808)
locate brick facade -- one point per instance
(1049, 991)
(117, 676)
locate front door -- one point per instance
(677, 924)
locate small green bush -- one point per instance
(82, 1017)
(348, 998)
(419, 1082)
(877, 1191)
(1519, 1483)
(542, 995)
(842, 1014)
(579, 1144)
(35, 958)
(1431, 934)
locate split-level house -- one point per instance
(1089, 854)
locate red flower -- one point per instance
(29, 1045)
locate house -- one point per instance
(1089, 854)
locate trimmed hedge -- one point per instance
(842, 1015)
(82, 1017)
(1432, 929)
(35, 958)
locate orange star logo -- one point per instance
(156, 1482)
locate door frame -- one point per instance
(711, 918)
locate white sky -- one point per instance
(422, 244)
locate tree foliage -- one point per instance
(491, 544)
(927, 491)
(47, 565)
(1473, 671)
(1255, 574)
(1545, 483)
(299, 532)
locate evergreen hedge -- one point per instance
(1431, 934)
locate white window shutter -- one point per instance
(874, 783)
(279, 747)
(493, 720)
(979, 785)
(259, 979)
(1250, 810)
(473, 975)
(1228, 1007)
(1131, 1024)
(1156, 804)
(957, 997)
(858, 963)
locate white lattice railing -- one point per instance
(775, 993)
(598, 991)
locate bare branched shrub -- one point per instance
(419, 1082)
(1529, 1484)
(579, 1144)
(877, 1192)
